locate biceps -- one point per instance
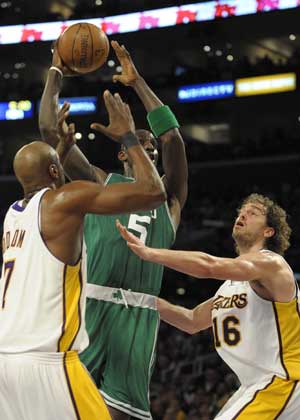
(238, 270)
(124, 198)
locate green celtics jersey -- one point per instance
(111, 263)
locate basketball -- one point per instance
(83, 47)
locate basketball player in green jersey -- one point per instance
(121, 317)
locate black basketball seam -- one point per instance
(92, 54)
(74, 46)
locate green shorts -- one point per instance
(121, 353)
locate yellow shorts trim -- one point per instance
(87, 401)
(270, 402)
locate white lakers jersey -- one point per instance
(42, 300)
(256, 337)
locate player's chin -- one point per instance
(236, 232)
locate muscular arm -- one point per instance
(173, 149)
(261, 266)
(145, 193)
(188, 320)
(248, 267)
(76, 165)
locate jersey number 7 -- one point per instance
(8, 270)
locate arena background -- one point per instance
(241, 136)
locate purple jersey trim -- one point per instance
(16, 207)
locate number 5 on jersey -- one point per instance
(134, 224)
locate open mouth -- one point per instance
(240, 224)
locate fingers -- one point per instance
(71, 128)
(71, 134)
(110, 103)
(129, 115)
(128, 236)
(117, 78)
(119, 103)
(99, 127)
(64, 109)
(63, 113)
(114, 104)
(120, 51)
(123, 231)
(127, 112)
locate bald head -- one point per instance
(34, 165)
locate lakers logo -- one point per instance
(234, 301)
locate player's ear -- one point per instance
(269, 232)
(53, 171)
(122, 156)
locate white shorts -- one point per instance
(48, 386)
(276, 398)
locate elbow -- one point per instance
(156, 195)
(48, 134)
(44, 125)
(160, 195)
(192, 329)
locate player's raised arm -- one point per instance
(77, 165)
(248, 267)
(145, 193)
(163, 125)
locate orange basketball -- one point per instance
(83, 47)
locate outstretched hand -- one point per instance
(129, 73)
(134, 243)
(66, 133)
(120, 117)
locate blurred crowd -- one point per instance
(271, 143)
(190, 380)
(229, 66)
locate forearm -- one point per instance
(173, 148)
(77, 167)
(146, 175)
(177, 316)
(49, 108)
(146, 95)
(63, 151)
(196, 264)
(175, 165)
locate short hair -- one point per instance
(277, 219)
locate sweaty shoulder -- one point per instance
(267, 258)
(277, 281)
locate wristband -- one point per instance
(57, 69)
(129, 139)
(161, 120)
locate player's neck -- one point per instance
(250, 248)
(128, 172)
(29, 192)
